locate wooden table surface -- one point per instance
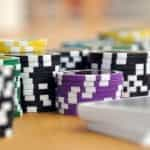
(57, 132)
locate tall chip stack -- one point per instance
(6, 101)
(97, 44)
(38, 93)
(36, 86)
(134, 65)
(76, 86)
(73, 59)
(126, 39)
(14, 63)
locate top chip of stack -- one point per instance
(23, 46)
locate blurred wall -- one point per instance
(16, 13)
(12, 14)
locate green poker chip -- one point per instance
(14, 62)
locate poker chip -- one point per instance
(89, 44)
(77, 86)
(14, 63)
(23, 46)
(134, 65)
(127, 36)
(73, 59)
(107, 44)
(38, 77)
(6, 101)
(75, 44)
(38, 83)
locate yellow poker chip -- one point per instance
(23, 46)
(128, 36)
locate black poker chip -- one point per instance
(131, 64)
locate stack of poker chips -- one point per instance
(6, 101)
(134, 65)
(14, 63)
(70, 58)
(107, 44)
(76, 86)
(127, 36)
(32, 49)
(90, 44)
(126, 39)
(21, 48)
(38, 82)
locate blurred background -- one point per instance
(62, 20)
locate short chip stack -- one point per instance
(89, 44)
(86, 85)
(134, 65)
(6, 101)
(14, 63)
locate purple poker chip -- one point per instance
(71, 109)
(74, 88)
(85, 84)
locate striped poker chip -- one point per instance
(6, 101)
(134, 65)
(14, 62)
(88, 75)
(99, 87)
(73, 59)
(23, 46)
(38, 83)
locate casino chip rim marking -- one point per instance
(87, 73)
(38, 72)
